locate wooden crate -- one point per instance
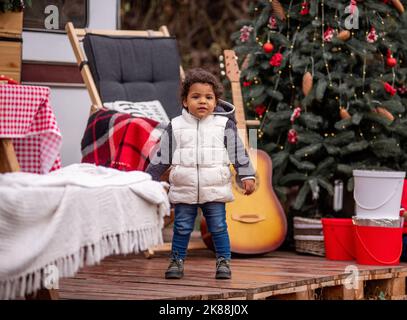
(10, 59)
(11, 24)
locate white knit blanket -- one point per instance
(73, 217)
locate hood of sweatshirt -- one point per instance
(226, 109)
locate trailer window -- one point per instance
(52, 15)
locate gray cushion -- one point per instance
(136, 69)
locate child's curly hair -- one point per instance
(198, 75)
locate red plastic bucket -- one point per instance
(404, 196)
(338, 239)
(378, 245)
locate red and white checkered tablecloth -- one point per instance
(26, 117)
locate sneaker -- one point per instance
(223, 268)
(175, 269)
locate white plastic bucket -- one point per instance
(378, 194)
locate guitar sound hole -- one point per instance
(248, 216)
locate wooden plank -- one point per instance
(166, 247)
(305, 295)
(302, 295)
(85, 72)
(145, 290)
(268, 294)
(10, 59)
(11, 24)
(119, 33)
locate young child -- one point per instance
(199, 145)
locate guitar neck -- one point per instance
(240, 115)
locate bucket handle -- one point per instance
(380, 205)
(378, 260)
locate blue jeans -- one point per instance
(215, 215)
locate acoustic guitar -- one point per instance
(257, 223)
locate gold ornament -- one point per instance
(343, 35)
(385, 113)
(307, 83)
(278, 10)
(398, 5)
(344, 114)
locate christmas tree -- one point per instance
(327, 79)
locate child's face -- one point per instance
(201, 100)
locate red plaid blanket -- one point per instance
(118, 140)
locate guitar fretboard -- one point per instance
(240, 115)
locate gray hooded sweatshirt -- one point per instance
(199, 152)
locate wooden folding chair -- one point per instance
(77, 35)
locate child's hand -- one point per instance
(248, 186)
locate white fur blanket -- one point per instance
(73, 217)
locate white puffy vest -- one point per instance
(200, 163)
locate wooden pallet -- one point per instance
(278, 275)
(389, 285)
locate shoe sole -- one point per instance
(173, 276)
(223, 276)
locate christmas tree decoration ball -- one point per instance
(344, 35)
(268, 47)
(391, 62)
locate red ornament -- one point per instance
(247, 83)
(276, 60)
(402, 90)
(260, 110)
(304, 8)
(268, 47)
(389, 88)
(390, 61)
(372, 35)
(329, 34)
(292, 136)
(272, 23)
(245, 33)
(296, 114)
